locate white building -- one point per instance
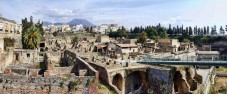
(105, 28)
(77, 28)
(127, 48)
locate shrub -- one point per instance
(72, 85)
(61, 84)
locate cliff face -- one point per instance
(186, 80)
(161, 81)
(180, 80)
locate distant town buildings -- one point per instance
(102, 29)
(9, 26)
(105, 28)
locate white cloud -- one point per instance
(56, 12)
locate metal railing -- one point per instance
(188, 60)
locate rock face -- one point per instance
(40, 85)
(161, 81)
(186, 80)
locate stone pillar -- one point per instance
(123, 85)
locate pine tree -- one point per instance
(204, 30)
(178, 30)
(174, 31)
(201, 32)
(190, 30)
(195, 31)
(170, 31)
(186, 32)
(226, 28)
(213, 30)
(222, 31)
(198, 32)
(181, 30)
(208, 30)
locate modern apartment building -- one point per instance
(9, 26)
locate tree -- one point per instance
(204, 30)
(121, 33)
(178, 30)
(195, 30)
(226, 28)
(170, 31)
(186, 40)
(185, 32)
(190, 30)
(32, 37)
(152, 32)
(75, 39)
(27, 25)
(198, 31)
(162, 33)
(222, 31)
(181, 30)
(208, 30)
(213, 30)
(113, 34)
(174, 31)
(143, 37)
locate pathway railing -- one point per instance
(188, 60)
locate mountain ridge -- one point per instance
(84, 22)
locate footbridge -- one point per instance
(189, 60)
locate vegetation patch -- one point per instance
(72, 85)
(103, 89)
(89, 82)
(61, 84)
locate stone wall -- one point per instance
(6, 59)
(104, 76)
(160, 80)
(54, 57)
(72, 59)
(50, 85)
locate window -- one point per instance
(28, 55)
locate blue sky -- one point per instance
(124, 12)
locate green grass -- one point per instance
(221, 69)
(102, 88)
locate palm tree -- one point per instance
(32, 37)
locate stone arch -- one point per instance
(136, 82)
(118, 81)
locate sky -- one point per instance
(123, 12)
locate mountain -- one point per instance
(45, 23)
(84, 22)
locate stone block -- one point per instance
(46, 74)
(33, 74)
(7, 71)
(82, 72)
